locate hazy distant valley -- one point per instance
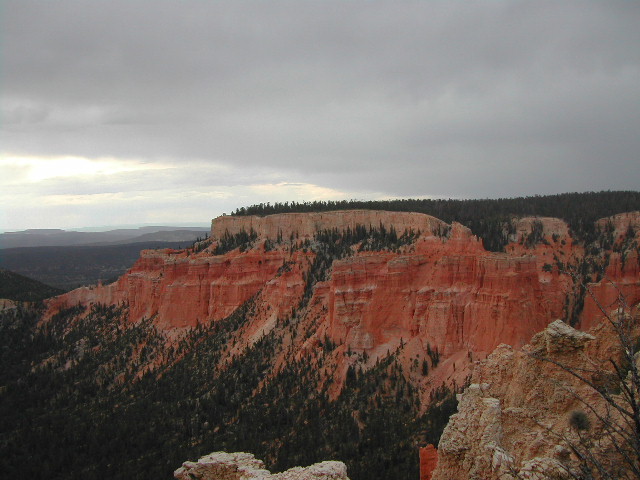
(69, 259)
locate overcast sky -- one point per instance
(165, 112)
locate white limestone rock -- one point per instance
(244, 466)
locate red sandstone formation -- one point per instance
(452, 294)
(444, 292)
(622, 275)
(428, 461)
(182, 290)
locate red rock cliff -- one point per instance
(622, 274)
(428, 461)
(182, 290)
(305, 225)
(443, 292)
(450, 293)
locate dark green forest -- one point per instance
(91, 396)
(69, 267)
(489, 219)
(14, 286)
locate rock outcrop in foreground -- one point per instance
(524, 417)
(244, 466)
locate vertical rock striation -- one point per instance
(441, 293)
(428, 461)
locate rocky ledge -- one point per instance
(244, 466)
(305, 225)
(525, 416)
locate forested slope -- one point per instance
(487, 218)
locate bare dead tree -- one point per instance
(612, 450)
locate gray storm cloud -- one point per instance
(393, 98)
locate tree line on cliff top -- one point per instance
(489, 219)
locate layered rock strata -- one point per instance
(244, 466)
(443, 293)
(518, 417)
(428, 462)
(621, 280)
(305, 225)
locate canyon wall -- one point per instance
(526, 416)
(621, 280)
(438, 303)
(450, 293)
(428, 462)
(441, 293)
(181, 289)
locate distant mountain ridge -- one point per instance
(58, 237)
(71, 266)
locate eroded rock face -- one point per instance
(443, 292)
(549, 227)
(560, 339)
(182, 290)
(621, 223)
(622, 275)
(305, 225)
(244, 466)
(514, 420)
(428, 461)
(451, 298)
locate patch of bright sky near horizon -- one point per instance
(132, 112)
(107, 186)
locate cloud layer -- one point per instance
(227, 103)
